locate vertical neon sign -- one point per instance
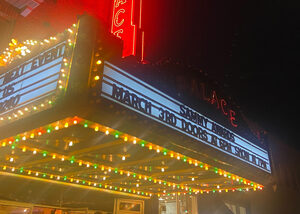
(122, 25)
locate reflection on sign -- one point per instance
(32, 80)
(132, 93)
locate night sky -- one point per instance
(247, 46)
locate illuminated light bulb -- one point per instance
(24, 149)
(96, 77)
(80, 163)
(11, 159)
(107, 132)
(87, 165)
(34, 108)
(193, 179)
(99, 62)
(157, 150)
(58, 177)
(32, 135)
(4, 168)
(190, 161)
(66, 125)
(123, 157)
(162, 169)
(150, 147)
(24, 138)
(71, 143)
(70, 30)
(36, 174)
(62, 70)
(125, 138)
(4, 144)
(56, 127)
(104, 178)
(128, 174)
(218, 186)
(178, 157)
(95, 184)
(196, 163)
(53, 156)
(63, 158)
(13, 169)
(96, 128)
(26, 109)
(171, 155)
(109, 169)
(77, 181)
(134, 141)
(137, 185)
(206, 167)
(34, 152)
(39, 133)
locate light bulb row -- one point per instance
(171, 154)
(74, 180)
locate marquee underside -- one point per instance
(85, 154)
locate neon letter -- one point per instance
(223, 103)
(232, 117)
(116, 19)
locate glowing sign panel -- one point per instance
(123, 88)
(122, 25)
(33, 80)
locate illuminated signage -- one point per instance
(220, 103)
(125, 89)
(122, 25)
(34, 80)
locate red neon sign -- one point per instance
(122, 25)
(213, 99)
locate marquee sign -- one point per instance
(125, 89)
(122, 25)
(30, 82)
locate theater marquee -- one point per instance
(125, 89)
(34, 84)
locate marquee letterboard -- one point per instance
(34, 80)
(127, 90)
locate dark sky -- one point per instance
(248, 46)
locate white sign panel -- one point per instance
(33, 80)
(127, 90)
